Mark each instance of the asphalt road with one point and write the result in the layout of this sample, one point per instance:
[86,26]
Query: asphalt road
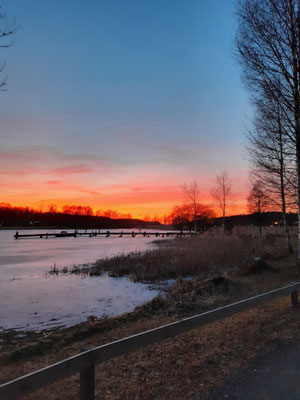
[275,375]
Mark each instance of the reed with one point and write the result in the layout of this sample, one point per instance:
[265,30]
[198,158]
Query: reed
[182,258]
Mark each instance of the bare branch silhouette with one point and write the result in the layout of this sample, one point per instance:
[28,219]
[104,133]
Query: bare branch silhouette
[6,31]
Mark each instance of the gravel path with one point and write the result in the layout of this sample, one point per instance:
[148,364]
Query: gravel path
[274,375]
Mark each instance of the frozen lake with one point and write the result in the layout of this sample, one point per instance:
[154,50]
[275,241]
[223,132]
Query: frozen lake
[30,299]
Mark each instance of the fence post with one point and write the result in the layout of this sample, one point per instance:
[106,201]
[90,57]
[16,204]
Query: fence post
[294,299]
[87,383]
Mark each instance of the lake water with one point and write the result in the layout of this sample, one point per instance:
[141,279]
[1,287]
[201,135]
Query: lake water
[32,300]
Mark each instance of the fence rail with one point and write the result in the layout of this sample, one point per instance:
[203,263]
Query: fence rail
[84,363]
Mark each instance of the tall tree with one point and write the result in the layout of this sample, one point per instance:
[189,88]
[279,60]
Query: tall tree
[6,29]
[222,193]
[268,49]
[273,159]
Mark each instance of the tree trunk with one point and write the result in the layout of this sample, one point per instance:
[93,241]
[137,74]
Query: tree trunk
[224,211]
[259,217]
[282,193]
[298,191]
[296,58]
[287,233]
[295,69]
[297,135]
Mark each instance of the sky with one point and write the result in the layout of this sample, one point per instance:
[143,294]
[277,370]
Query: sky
[116,104]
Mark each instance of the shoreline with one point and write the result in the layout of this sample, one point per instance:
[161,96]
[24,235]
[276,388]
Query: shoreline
[29,300]
[181,299]
[166,370]
[170,260]
[245,335]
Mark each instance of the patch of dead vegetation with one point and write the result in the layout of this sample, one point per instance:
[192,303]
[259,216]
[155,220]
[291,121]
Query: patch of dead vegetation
[195,256]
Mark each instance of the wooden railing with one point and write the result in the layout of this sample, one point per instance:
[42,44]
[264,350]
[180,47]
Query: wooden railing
[84,363]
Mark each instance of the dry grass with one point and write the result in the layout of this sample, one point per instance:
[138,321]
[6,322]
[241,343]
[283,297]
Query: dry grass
[182,258]
[215,267]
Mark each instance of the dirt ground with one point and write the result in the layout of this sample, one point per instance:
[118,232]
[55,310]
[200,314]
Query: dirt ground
[191,366]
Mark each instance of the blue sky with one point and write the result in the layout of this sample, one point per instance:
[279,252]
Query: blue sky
[139,94]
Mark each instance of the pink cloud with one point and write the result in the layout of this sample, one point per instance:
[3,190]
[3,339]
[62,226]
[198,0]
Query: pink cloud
[54,182]
[72,169]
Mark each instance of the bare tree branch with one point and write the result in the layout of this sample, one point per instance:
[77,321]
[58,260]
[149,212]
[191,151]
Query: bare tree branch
[6,30]
[222,193]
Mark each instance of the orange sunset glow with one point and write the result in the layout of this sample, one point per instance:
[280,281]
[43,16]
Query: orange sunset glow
[77,184]
[138,130]
[102,187]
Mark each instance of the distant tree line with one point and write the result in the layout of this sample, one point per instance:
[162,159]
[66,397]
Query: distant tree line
[262,219]
[181,218]
[75,217]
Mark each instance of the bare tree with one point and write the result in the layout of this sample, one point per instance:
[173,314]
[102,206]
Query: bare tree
[273,159]
[257,201]
[268,49]
[222,193]
[191,193]
[6,30]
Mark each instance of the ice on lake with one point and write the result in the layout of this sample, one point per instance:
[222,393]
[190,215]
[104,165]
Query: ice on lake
[32,300]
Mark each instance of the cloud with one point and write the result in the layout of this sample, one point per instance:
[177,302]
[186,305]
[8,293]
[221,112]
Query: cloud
[72,169]
[54,182]
[12,156]
[89,192]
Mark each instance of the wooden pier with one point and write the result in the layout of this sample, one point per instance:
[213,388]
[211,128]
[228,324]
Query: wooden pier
[100,233]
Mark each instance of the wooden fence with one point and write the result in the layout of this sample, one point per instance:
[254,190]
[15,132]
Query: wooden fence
[84,363]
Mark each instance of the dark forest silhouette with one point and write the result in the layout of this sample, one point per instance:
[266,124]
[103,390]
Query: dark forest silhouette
[71,217]
[83,218]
